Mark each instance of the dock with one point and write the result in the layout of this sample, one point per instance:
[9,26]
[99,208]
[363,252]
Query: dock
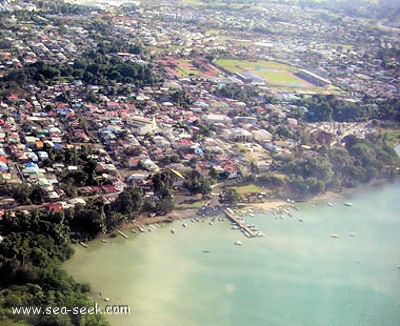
[123,234]
[243,226]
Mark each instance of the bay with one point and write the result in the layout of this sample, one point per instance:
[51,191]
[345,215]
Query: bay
[298,274]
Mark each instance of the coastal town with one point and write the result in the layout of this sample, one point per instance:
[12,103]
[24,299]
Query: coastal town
[120,114]
[182,122]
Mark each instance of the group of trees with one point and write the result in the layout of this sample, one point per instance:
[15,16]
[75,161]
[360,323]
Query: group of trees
[91,68]
[331,108]
[30,275]
[236,92]
[360,161]
[24,194]
[196,183]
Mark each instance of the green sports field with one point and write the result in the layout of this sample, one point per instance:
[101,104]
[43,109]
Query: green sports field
[273,73]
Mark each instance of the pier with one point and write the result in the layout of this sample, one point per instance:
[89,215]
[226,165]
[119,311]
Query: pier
[243,226]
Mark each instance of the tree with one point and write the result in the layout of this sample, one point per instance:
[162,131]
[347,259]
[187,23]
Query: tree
[213,173]
[299,186]
[229,196]
[129,202]
[89,168]
[89,218]
[166,201]
[162,181]
[197,183]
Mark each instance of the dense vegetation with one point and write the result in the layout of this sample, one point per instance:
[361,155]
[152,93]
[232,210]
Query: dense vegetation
[236,92]
[360,161]
[92,68]
[331,108]
[30,273]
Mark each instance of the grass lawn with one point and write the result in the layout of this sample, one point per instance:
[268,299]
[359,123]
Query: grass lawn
[196,204]
[185,68]
[249,188]
[274,73]
[391,134]
[240,65]
[280,77]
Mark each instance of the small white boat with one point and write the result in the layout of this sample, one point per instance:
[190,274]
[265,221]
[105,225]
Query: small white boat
[184,225]
[172,231]
[106,299]
[334,235]
[104,241]
[84,245]
[352,234]
[330,204]
[239,243]
[348,204]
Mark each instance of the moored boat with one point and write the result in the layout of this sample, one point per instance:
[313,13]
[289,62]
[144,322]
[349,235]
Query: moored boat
[84,245]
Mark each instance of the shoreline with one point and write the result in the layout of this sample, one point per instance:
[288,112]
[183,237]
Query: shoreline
[268,205]
[273,249]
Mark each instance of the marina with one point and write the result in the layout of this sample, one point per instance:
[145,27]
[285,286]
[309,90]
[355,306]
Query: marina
[315,278]
[247,230]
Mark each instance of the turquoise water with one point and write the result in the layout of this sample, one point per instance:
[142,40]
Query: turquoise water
[296,275]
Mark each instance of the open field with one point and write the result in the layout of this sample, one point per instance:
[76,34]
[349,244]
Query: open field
[188,68]
[185,68]
[249,188]
[274,74]
[238,65]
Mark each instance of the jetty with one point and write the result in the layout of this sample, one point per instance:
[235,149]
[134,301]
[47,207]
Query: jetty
[243,226]
[123,234]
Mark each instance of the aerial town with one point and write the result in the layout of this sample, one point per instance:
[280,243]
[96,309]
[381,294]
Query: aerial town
[275,58]
[114,112]
[194,86]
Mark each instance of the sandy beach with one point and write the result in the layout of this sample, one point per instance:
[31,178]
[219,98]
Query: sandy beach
[189,213]
[178,214]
